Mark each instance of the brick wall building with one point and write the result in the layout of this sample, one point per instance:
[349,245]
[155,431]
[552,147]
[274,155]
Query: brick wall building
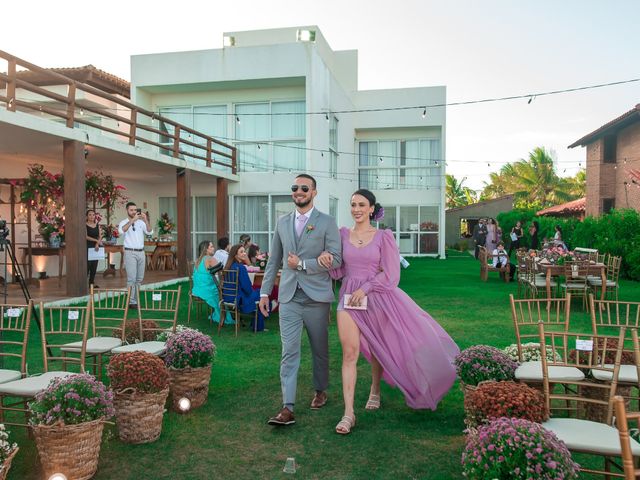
[613,164]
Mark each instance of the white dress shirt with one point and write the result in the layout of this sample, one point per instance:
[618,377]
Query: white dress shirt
[134,237]
[222,256]
[500,256]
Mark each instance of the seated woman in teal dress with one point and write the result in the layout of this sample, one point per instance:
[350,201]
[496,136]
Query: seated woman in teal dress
[204,286]
[246,296]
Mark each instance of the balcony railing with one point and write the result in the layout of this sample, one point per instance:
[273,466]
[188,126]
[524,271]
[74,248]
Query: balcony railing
[139,130]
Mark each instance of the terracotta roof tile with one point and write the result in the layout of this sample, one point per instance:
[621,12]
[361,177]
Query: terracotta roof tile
[573,207]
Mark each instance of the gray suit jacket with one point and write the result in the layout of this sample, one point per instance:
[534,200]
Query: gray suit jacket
[320,234]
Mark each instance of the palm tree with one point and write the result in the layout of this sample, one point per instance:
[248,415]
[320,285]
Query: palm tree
[533,182]
[456,194]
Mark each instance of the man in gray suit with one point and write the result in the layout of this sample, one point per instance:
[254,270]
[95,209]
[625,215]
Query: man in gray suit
[306,243]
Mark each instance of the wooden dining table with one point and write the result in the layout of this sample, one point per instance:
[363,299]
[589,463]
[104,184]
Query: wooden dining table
[257,278]
[160,248]
[553,270]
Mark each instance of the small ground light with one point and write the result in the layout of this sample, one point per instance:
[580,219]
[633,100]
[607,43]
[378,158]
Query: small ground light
[184,404]
[58,476]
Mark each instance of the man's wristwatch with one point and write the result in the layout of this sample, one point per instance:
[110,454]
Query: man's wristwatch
[299,267]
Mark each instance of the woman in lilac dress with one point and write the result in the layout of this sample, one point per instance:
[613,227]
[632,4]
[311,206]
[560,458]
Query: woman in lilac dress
[404,345]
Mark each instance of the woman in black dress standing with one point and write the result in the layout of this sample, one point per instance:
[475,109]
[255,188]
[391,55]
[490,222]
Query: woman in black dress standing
[533,231]
[94,240]
[516,235]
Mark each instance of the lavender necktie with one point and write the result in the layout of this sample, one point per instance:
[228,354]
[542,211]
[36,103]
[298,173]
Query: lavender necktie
[300,223]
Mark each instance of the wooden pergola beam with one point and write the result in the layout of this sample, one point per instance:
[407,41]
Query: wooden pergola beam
[75,231]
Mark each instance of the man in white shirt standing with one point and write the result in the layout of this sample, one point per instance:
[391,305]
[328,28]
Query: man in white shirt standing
[222,254]
[133,230]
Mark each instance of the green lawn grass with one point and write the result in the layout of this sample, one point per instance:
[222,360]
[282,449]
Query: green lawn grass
[229,437]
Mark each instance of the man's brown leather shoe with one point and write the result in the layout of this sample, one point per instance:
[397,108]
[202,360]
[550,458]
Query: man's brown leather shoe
[319,400]
[284,417]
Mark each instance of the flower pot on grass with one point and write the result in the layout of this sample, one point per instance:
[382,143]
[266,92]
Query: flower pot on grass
[189,357]
[482,363]
[141,385]
[67,422]
[7,452]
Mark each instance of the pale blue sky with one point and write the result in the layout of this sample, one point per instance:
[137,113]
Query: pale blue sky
[477,49]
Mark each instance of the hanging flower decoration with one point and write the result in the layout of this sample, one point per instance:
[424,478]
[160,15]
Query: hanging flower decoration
[44,193]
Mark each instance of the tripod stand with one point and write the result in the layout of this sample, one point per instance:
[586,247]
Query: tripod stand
[10,256]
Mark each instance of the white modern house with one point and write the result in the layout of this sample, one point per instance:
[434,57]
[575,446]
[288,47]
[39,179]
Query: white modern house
[291,104]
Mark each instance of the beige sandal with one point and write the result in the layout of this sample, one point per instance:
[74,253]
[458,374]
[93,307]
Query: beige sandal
[345,425]
[373,403]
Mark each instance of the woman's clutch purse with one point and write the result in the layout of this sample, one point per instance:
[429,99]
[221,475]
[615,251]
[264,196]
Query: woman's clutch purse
[347,298]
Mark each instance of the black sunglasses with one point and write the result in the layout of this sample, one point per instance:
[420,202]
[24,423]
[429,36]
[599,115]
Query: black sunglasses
[304,188]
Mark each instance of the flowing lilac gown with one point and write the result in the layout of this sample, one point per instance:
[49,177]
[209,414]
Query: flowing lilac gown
[414,350]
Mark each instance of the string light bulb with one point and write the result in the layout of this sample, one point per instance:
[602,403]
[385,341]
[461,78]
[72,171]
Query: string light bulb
[184,404]
[11,102]
[82,111]
[530,100]
[326,117]
[259,147]
[237,119]
[424,112]
[58,476]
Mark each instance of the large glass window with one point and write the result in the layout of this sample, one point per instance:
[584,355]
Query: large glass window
[391,164]
[270,136]
[258,215]
[209,120]
[416,227]
[204,221]
[333,147]
[333,208]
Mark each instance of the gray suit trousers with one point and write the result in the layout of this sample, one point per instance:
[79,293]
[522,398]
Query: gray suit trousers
[301,310]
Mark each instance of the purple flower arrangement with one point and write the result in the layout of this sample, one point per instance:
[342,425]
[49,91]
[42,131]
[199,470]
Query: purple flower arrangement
[71,400]
[516,448]
[482,362]
[189,348]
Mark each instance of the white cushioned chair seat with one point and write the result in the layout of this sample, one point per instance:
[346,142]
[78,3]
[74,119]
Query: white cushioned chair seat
[598,282]
[588,436]
[541,282]
[532,371]
[28,387]
[9,375]
[94,345]
[154,348]
[627,374]
[575,286]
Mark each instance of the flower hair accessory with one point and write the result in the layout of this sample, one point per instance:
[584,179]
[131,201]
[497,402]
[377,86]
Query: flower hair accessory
[379,215]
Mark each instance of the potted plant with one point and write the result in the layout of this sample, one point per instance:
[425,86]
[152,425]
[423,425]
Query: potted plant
[141,385]
[7,452]
[482,363]
[530,352]
[165,225]
[132,331]
[515,448]
[492,400]
[67,419]
[189,357]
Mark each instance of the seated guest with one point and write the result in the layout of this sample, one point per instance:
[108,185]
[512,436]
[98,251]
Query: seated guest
[252,253]
[501,259]
[222,254]
[246,296]
[245,240]
[204,286]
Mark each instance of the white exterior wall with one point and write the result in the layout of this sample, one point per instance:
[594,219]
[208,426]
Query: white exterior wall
[270,65]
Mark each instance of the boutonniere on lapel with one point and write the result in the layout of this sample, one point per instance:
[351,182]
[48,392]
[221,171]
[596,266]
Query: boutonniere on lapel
[310,228]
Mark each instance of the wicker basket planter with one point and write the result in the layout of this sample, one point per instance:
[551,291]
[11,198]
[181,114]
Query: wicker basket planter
[191,383]
[466,388]
[139,415]
[597,412]
[69,449]
[6,466]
